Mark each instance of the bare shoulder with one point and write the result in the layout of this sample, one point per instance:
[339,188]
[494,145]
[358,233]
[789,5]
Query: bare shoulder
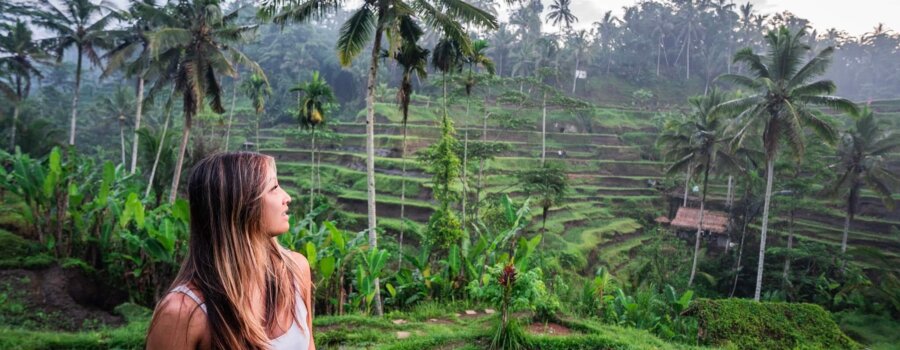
[178,323]
[299,259]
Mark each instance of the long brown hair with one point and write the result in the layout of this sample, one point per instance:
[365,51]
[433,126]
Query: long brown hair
[229,253]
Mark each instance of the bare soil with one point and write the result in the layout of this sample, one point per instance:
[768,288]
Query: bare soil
[549,328]
[62,299]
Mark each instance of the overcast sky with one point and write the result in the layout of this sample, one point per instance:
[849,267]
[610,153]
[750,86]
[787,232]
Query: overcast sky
[855,17]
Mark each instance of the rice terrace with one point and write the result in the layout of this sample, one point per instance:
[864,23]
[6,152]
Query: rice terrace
[511,174]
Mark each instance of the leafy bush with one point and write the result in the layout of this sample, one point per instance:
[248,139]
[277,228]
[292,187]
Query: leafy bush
[746,324]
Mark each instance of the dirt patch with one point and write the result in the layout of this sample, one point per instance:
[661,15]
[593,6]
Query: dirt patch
[60,299]
[549,328]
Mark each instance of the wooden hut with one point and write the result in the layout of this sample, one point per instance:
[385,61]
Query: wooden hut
[715,225]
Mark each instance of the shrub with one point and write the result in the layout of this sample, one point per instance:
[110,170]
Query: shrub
[13,245]
[746,324]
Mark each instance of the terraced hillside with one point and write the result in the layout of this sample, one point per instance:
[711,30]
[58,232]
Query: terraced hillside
[607,158]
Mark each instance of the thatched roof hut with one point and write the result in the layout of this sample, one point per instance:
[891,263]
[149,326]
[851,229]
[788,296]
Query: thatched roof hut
[689,218]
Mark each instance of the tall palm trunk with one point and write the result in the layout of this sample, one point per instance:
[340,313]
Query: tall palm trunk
[544,128]
[700,224]
[790,245]
[257,132]
[312,175]
[370,155]
[231,113]
[481,164]
[770,169]
[12,137]
[159,148]
[185,135]
[402,196]
[75,99]
[687,184]
[575,77]
[465,163]
[729,198]
[847,220]
[137,123]
[122,137]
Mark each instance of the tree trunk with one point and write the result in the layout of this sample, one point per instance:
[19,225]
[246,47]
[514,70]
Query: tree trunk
[137,122]
[122,137]
[790,245]
[75,99]
[370,156]
[729,198]
[737,266]
[159,148]
[688,56]
[465,164]
[231,113]
[544,128]
[770,169]
[402,196]
[257,132]
[185,135]
[699,225]
[12,137]
[846,232]
[481,165]
[687,185]
[312,176]
[575,77]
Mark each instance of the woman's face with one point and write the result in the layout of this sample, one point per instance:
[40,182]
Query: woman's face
[274,205]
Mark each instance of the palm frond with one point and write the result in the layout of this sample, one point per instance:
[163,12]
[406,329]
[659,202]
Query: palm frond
[821,87]
[167,38]
[813,68]
[837,103]
[354,34]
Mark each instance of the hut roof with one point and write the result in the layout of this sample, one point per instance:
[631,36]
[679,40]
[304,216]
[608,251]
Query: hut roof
[689,218]
[663,220]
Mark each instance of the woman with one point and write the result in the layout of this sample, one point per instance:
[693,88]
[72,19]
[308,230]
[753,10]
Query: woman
[238,288]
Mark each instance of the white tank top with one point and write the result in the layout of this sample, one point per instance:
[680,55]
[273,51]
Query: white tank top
[296,337]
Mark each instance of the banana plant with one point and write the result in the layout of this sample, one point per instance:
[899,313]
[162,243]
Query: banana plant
[368,272]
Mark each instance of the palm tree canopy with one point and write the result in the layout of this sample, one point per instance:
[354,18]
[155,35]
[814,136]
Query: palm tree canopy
[195,48]
[698,139]
[317,94]
[79,23]
[560,11]
[20,55]
[258,90]
[414,60]
[783,90]
[863,151]
[443,16]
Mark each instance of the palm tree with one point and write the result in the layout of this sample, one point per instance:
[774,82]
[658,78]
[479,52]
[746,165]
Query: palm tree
[80,24]
[548,184]
[317,95]
[474,59]
[132,42]
[782,91]
[677,134]
[258,89]
[19,63]
[704,152]
[413,59]
[561,13]
[371,21]
[117,105]
[862,152]
[196,47]
[606,29]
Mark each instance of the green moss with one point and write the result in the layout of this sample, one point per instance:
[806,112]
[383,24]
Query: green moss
[746,324]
